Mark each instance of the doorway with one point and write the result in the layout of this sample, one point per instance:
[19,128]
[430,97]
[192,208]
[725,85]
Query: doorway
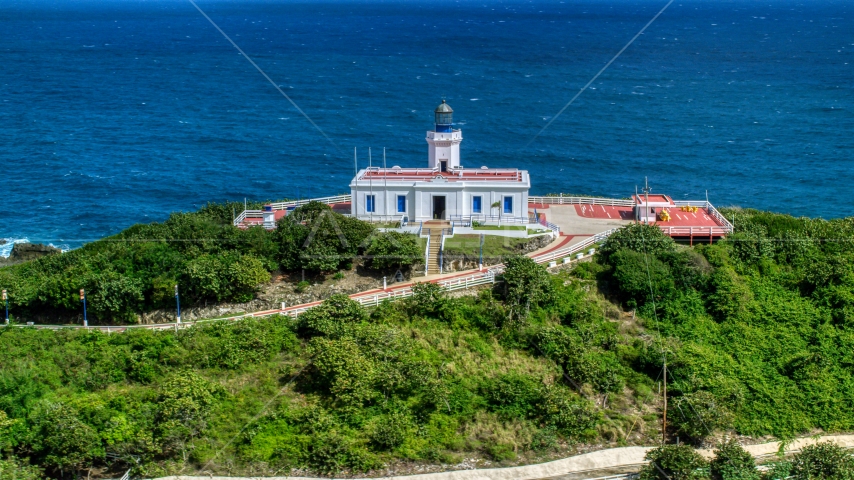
[438,207]
[443,166]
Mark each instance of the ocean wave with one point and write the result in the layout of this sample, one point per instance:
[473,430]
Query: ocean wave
[6,248]
[64,247]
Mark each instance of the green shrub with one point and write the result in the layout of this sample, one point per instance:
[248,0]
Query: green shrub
[572,415]
[526,285]
[823,461]
[61,441]
[332,316]
[514,396]
[641,278]
[391,430]
[673,462]
[637,237]
[393,250]
[700,414]
[732,462]
[302,286]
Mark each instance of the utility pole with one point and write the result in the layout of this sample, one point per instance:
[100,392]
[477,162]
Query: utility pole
[664,418]
[178,304]
[83,299]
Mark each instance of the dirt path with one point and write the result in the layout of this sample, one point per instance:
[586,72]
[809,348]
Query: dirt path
[613,461]
[624,456]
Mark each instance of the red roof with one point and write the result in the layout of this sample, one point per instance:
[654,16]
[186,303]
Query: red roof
[425,174]
[641,199]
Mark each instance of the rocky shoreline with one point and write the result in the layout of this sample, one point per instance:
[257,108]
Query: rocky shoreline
[24,252]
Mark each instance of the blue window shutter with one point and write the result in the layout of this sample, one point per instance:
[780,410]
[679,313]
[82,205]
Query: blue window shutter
[401,204]
[508,204]
[476,204]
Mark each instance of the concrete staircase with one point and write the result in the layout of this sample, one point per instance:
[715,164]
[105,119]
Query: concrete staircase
[434,231]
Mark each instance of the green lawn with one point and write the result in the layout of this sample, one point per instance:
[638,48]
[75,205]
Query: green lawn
[493,245]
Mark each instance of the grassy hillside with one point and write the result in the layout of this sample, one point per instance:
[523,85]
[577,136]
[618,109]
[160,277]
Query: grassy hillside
[757,331]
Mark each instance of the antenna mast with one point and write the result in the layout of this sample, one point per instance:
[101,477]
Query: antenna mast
[354,210]
[385,186]
[646,199]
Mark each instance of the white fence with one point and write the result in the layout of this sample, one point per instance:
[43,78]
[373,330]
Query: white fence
[370,298]
[561,200]
[250,214]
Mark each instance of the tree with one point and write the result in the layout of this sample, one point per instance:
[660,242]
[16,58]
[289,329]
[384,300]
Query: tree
[641,278]
[569,413]
[393,249]
[823,461]
[526,285]
[638,237]
[117,297]
[428,299]
[732,462]
[344,370]
[673,462]
[230,277]
[330,317]
[61,441]
[702,414]
[184,404]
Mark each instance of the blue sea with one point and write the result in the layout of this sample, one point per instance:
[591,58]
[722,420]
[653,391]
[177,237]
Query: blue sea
[117,112]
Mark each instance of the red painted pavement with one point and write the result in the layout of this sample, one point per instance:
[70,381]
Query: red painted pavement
[602,211]
[678,218]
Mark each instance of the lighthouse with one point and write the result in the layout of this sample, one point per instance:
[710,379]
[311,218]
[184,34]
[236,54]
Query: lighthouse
[444,141]
[445,190]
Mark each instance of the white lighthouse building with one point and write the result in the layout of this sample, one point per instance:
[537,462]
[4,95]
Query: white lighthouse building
[444,190]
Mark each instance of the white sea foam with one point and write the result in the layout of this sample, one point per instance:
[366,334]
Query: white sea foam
[6,248]
[62,246]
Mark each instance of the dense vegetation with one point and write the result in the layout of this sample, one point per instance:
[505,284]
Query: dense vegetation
[756,331]
[821,461]
[211,260]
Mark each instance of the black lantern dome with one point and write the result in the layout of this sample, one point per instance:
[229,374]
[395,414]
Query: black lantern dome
[444,117]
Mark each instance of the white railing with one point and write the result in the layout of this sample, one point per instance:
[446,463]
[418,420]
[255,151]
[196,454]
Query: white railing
[460,282]
[427,255]
[368,298]
[299,203]
[711,210]
[383,218]
[692,231]
[573,249]
[561,200]
[715,213]
[248,214]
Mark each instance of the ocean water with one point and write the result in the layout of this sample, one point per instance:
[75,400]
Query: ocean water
[116,112]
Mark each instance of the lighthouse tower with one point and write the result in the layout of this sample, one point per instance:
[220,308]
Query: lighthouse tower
[444,141]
